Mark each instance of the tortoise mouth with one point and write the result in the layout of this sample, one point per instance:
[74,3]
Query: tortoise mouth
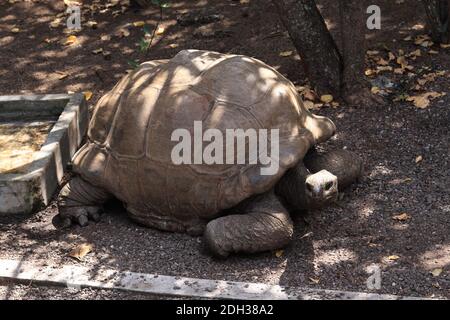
[320,202]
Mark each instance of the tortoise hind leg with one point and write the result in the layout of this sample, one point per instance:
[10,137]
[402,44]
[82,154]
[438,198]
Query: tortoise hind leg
[262,224]
[80,201]
[345,165]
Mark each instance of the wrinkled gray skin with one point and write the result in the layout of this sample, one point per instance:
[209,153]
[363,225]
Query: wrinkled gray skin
[260,223]
[313,183]
[126,154]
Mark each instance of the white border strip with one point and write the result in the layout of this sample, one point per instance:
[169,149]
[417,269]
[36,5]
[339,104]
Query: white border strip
[75,276]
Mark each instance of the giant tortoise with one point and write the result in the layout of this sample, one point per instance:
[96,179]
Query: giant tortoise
[237,208]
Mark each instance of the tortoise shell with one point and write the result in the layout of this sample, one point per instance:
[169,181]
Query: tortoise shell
[129,139]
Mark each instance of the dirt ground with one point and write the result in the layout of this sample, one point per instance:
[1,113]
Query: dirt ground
[405,150]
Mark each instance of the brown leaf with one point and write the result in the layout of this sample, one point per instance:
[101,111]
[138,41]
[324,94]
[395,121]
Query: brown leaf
[62,75]
[87,95]
[416,53]
[279,253]
[160,31]
[70,40]
[92,24]
[139,23]
[421,102]
[401,217]
[437,272]
[315,281]
[286,53]
[326,98]
[375,90]
[372,52]
[384,68]
[80,251]
[123,33]
[382,62]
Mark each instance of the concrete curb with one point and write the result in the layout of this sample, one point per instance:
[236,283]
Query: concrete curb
[78,277]
[24,192]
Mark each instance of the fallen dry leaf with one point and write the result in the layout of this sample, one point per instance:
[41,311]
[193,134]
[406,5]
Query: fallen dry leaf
[416,53]
[87,95]
[105,37]
[393,257]
[71,3]
[424,41]
[55,23]
[315,281]
[402,62]
[335,104]
[123,33]
[372,52]
[160,31]
[445,46]
[70,40]
[382,62]
[92,24]
[419,159]
[420,102]
[138,23]
[80,251]
[375,90]
[15,30]
[279,253]
[401,217]
[97,51]
[391,56]
[437,272]
[326,98]
[286,53]
[384,68]
[61,75]
[309,94]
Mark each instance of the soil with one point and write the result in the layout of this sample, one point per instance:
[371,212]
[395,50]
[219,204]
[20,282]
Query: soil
[19,143]
[405,150]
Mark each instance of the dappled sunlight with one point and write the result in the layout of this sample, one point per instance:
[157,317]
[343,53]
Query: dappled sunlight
[380,171]
[438,257]
[327,258]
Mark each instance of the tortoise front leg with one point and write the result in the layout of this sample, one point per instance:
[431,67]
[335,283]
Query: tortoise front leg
[80,201]
[261,224]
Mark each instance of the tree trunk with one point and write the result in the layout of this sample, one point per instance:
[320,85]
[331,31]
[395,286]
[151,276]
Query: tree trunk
[353,32]
[316,47]
[438,13]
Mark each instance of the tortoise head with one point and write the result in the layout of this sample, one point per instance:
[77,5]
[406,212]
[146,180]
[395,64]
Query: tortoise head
[321,188]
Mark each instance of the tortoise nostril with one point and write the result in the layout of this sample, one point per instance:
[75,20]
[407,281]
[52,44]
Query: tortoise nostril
[328,186]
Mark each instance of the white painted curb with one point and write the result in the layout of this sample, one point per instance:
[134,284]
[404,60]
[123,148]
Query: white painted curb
[75,276]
